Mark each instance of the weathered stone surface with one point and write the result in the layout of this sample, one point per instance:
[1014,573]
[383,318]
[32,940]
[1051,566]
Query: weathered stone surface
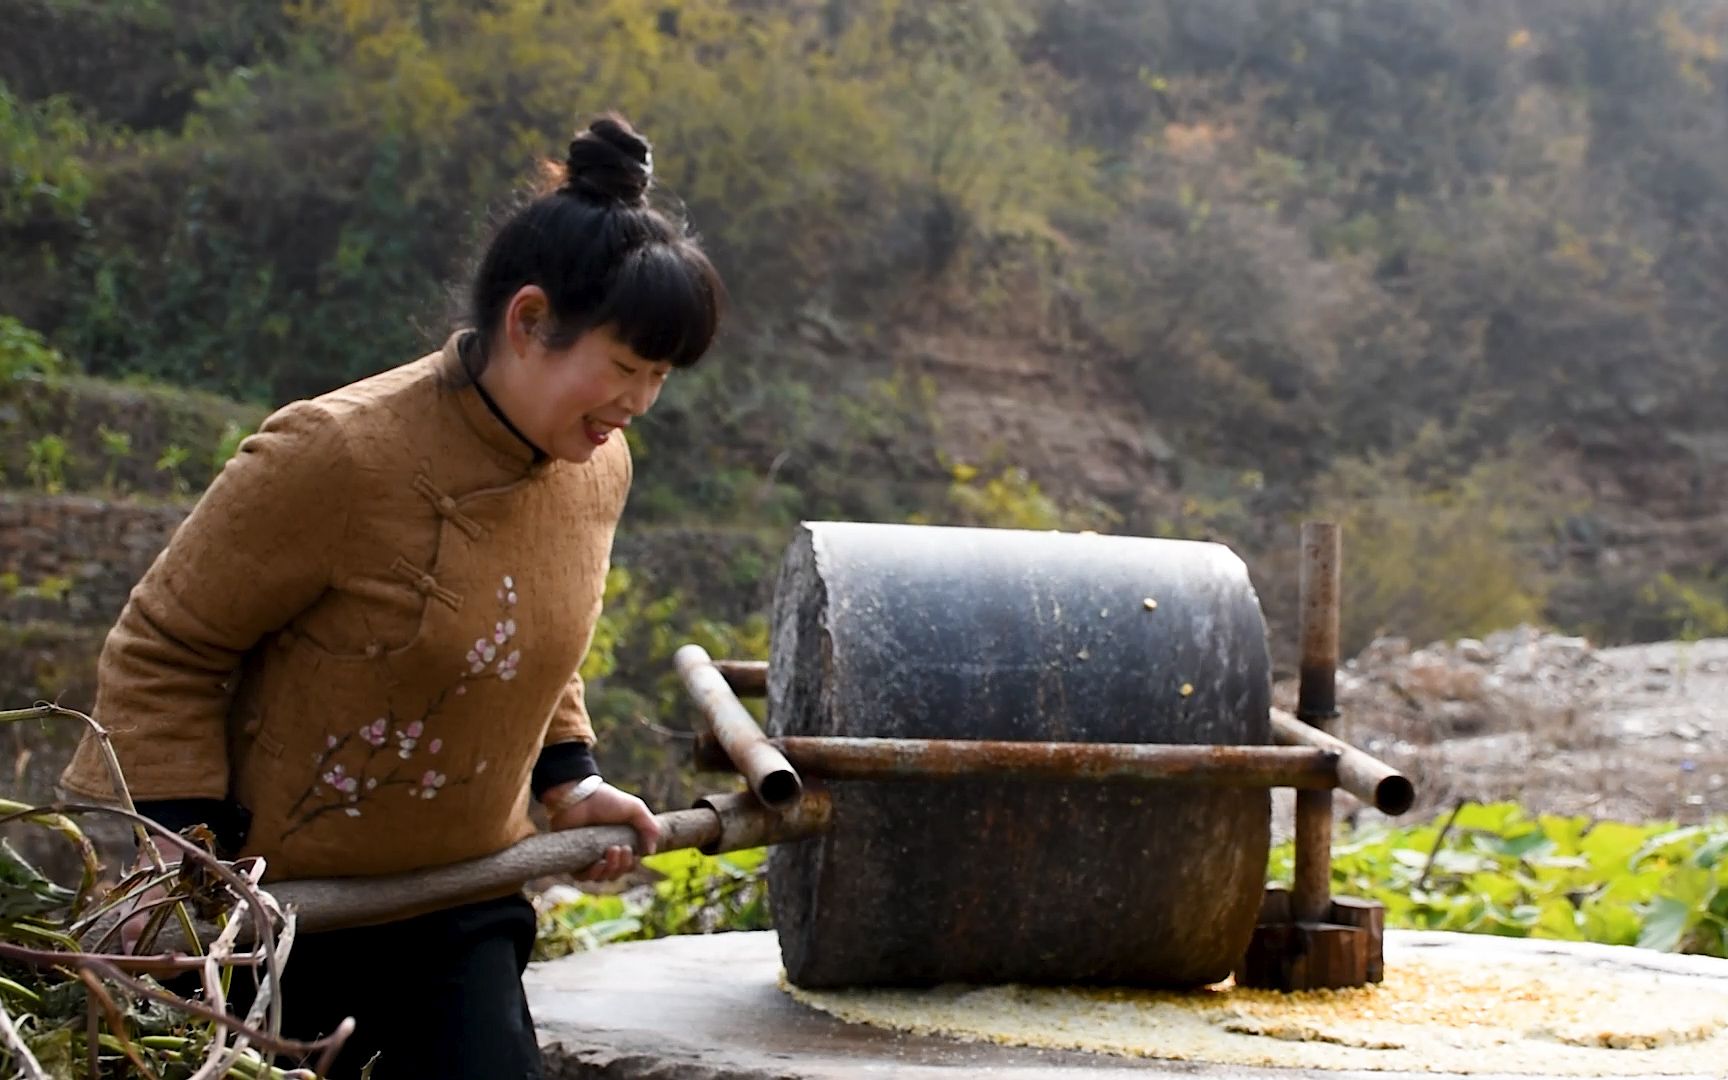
[710,1008]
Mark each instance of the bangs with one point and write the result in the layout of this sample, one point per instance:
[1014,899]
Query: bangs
[664,302]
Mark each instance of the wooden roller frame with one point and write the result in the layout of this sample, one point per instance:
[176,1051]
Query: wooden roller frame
[1305,939]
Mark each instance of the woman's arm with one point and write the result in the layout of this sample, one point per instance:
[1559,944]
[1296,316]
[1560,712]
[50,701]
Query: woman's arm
[259,548]
[567,759]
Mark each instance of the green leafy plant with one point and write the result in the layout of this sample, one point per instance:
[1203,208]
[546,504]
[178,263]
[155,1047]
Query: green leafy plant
[25,353]
[173,459]
[47,465]
[1496,869]
[640,708]
[116,447]
[71,1004]
[233,434]
[696,894]
[1011,499]
[1687,610]
[53,588]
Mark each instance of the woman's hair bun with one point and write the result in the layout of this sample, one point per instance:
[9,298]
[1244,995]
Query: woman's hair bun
[609,163]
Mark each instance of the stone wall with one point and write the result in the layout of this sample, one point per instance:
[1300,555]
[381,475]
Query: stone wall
[96,549]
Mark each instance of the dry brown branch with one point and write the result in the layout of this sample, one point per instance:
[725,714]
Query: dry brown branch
[116,1021]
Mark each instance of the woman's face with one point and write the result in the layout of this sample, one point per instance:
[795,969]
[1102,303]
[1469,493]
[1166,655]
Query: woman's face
[571,401]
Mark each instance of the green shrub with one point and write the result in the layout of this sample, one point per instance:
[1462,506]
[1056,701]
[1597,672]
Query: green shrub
[1428,558]
[1013,500]
[1497,869]
[41,171]
[1688,610]
[24,353]
[172,461]
[47,465]
[697,894]
[233,434]
[116,447]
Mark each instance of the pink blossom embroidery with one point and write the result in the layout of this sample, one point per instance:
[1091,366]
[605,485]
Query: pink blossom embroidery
[344,790]
[430,782]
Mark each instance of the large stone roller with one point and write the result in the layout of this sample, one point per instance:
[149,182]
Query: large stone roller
[937,633]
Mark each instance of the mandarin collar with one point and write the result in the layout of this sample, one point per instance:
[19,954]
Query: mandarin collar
[480,418]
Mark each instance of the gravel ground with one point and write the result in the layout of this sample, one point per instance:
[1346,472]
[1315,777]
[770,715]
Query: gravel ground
[1633,733]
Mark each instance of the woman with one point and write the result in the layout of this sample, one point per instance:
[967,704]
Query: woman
[358,655]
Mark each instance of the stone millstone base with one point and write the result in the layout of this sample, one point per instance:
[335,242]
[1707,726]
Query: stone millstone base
[712,1008]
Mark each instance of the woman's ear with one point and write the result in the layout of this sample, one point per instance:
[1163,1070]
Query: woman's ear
[526,317]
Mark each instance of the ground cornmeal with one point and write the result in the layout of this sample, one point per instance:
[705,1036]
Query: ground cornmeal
[1527,1011]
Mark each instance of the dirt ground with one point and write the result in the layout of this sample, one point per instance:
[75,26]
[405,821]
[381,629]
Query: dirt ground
[1633,733]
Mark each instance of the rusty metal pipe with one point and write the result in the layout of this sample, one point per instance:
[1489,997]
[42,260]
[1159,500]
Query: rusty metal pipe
[1320,591]
[743,825]
[1360,773]
[946,759]
[1317,704]
[747,678]
[1311,878]
[770,775]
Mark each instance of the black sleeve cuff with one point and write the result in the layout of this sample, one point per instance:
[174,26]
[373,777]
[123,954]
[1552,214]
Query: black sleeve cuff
[561,763]
[226,818]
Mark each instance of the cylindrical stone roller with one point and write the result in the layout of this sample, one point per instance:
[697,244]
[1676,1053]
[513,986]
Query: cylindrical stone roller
[937,633]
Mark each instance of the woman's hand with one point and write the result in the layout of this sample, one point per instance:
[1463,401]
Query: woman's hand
[607,806]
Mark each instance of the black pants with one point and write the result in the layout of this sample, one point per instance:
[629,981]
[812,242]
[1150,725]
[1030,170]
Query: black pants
[435,996]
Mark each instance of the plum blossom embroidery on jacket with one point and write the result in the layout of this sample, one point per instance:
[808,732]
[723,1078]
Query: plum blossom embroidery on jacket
[392,757]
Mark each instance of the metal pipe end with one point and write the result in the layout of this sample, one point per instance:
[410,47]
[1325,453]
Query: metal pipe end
[688,656]
[1394,795]
[745,822]
[781,789]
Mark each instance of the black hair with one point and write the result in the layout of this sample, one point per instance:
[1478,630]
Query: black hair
[603,255]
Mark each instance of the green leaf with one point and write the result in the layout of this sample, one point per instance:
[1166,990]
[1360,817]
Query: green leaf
[1693,886]
[1711,851]
[24,892]
[1669,845]
[1523,844]
[1611,924]
[1560,919]
[1665,924]
[1497,818]
[1611,844]
[1566,833]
